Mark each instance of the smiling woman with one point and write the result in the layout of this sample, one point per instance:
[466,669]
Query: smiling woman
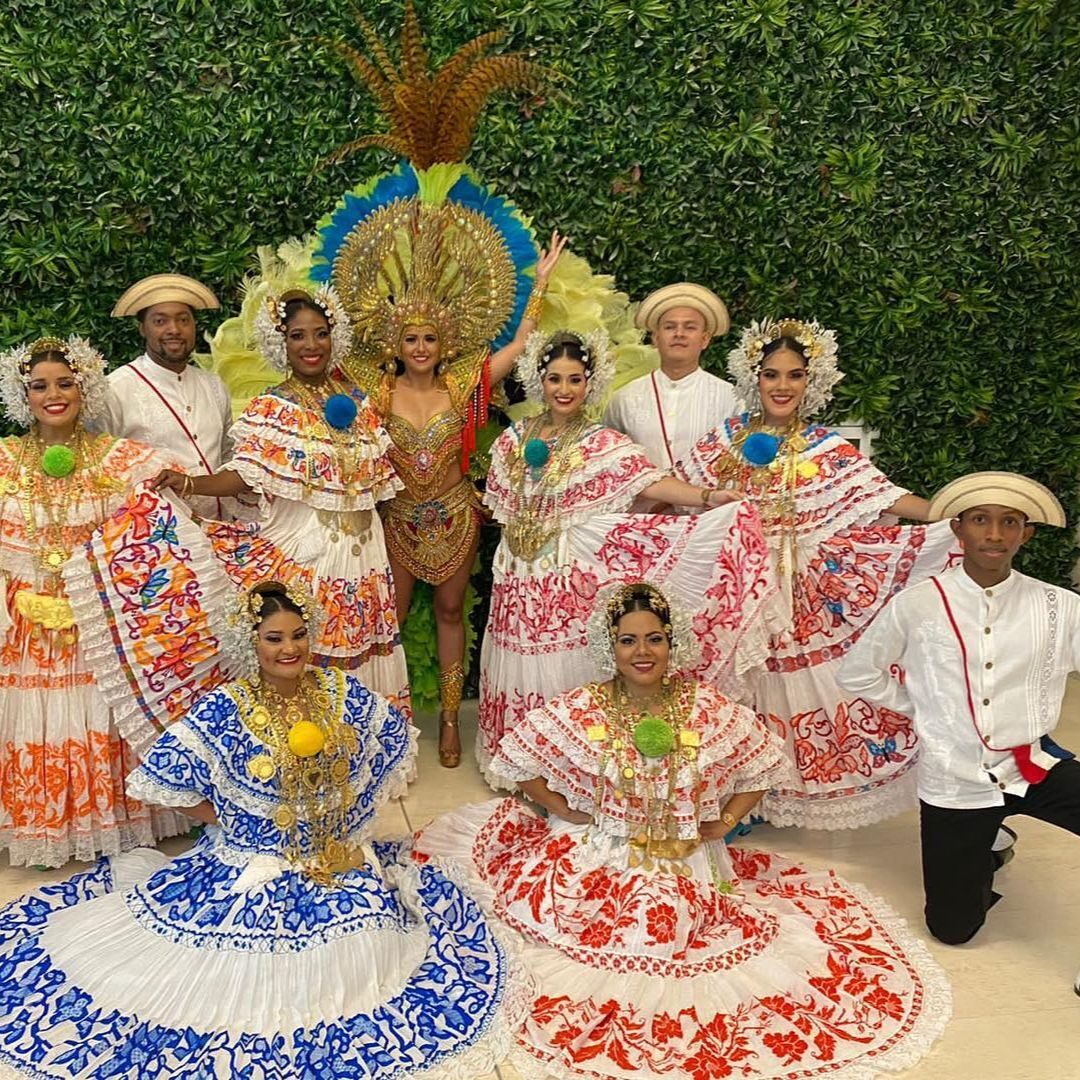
[61,755]
[836,565]
[286,943]
[314,452]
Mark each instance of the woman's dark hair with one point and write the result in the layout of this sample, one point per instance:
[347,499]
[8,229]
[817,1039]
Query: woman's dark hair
[566,345]
[788,343]
[300,303]
[640,596]
[275,599]
[54,356]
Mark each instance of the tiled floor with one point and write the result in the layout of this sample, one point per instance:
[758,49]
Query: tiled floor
[1015,1016]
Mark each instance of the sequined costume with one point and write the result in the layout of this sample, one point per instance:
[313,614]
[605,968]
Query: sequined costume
[682,959]
[232,960]
[430,528]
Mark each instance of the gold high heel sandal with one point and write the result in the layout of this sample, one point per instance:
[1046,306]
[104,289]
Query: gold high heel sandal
[451,682]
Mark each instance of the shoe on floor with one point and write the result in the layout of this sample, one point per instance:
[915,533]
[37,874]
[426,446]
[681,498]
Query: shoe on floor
[1004,840]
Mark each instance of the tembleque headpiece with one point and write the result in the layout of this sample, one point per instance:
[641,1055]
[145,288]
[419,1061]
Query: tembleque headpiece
[819,344]
[86,363]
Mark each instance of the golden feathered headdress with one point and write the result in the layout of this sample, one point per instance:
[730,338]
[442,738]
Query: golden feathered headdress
[432,114]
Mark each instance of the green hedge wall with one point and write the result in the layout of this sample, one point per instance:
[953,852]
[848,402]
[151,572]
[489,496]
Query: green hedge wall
[908,172]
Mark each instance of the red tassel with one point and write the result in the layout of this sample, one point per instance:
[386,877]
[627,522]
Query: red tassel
[476,412]
[1032,773]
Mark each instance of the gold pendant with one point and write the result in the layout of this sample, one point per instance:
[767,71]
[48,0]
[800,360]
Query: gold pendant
[53,558]
[284,817]
[262,767]
[339,771]
[259,717]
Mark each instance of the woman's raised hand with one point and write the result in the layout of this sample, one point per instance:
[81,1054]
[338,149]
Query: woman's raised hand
[549,256]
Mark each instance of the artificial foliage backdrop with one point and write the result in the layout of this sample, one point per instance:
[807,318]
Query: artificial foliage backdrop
[907,172]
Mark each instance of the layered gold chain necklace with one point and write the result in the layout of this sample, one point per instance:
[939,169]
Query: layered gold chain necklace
[346,449]
[55,494]
[766,462]
[538,468]
[647,749]
[309,751]
[344,440]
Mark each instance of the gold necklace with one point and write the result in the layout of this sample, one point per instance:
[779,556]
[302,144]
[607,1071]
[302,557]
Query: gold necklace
[54,495]
[771,485]
[537,486]
[343,441]
[640,769]
[309,751]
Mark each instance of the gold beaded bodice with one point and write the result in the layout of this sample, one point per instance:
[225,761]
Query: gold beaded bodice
[423,458]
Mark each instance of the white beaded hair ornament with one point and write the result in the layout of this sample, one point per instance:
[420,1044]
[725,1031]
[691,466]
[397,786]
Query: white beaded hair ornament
[270,327]
[610,607]
[596,355]
[241,629]
[86,363]
[822,368]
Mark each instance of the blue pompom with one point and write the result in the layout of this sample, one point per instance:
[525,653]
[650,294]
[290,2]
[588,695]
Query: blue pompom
[340,411]
[760,448]
[537,453]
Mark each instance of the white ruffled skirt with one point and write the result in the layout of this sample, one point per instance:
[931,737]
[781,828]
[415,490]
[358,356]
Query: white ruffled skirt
[199,968]
[743,964]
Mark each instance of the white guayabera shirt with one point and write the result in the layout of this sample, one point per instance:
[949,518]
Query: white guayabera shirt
[185,415]
[667,416]
[1021,638]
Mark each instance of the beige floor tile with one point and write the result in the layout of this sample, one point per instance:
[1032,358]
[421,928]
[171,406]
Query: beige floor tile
[1015,1016]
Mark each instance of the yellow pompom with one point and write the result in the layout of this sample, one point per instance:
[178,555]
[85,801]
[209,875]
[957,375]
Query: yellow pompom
[808,469]
[305,739]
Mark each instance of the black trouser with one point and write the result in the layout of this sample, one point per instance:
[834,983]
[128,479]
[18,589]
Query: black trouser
[958,865]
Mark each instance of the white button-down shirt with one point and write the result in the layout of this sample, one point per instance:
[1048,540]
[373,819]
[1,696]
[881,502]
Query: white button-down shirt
[134,411]
[1022,639]
[686,409]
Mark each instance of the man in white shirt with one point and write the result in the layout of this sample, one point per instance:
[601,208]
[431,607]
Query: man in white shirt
[668,410]
[161,398]
[985,653]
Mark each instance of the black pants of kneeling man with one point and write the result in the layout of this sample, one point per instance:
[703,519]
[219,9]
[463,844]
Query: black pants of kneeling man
[958,865]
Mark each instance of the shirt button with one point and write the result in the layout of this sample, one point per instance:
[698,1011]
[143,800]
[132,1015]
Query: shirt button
[1002,786]
[989,592]
[986,629]
[195,436]
[989,664]
[986,701]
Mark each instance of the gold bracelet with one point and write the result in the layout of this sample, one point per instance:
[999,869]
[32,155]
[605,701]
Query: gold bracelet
[535,303]
[705,496]
[189,486]
[730,820]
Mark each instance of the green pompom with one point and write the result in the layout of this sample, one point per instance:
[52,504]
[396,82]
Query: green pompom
[58,461]
[653,737]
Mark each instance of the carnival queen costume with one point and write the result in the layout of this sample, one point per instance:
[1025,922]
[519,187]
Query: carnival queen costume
[62,757]
[820,501]
[318,458]
[656,953]
[286,943]
[563,504]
